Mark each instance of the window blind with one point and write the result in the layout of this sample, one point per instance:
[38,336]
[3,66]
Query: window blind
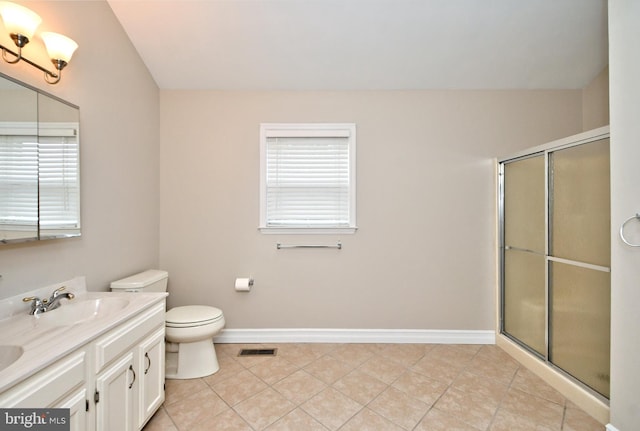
[19,181]
[39,177]
[307,181]
[59,177]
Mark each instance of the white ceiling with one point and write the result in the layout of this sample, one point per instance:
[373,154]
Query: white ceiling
[368,44]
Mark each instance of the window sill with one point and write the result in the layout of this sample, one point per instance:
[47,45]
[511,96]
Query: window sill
[307,230]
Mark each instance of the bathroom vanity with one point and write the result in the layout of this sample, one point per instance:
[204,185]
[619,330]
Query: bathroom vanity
[101,355]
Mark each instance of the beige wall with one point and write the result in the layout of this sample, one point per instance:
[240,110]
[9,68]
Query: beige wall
[119,154]
[595,102]
[18,105]
[624,33]
[424,254]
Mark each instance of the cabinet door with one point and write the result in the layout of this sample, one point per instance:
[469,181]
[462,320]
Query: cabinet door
[116,395]
[77,404]
[150,355]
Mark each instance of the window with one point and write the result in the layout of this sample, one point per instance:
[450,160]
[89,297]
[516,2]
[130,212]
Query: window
[39,171]
[18,179]
[307,178]
[59,179]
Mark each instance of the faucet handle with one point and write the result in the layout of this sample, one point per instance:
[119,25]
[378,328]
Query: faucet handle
[31,298]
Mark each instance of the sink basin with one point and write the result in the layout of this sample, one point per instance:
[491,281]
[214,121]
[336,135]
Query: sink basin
[82,310]
[8,355]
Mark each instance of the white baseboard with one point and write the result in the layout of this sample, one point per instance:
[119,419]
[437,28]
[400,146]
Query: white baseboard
[610,427]
[401,336]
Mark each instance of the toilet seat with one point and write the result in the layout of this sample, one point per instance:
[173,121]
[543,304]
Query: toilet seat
[192,315]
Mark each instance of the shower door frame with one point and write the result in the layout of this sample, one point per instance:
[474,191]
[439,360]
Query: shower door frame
[541,150]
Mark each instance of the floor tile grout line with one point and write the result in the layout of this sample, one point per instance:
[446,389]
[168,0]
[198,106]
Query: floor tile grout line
[170,418]
[279,418]
[228,405]
[212,389]
[358,367]
[506,393]
[407,369]
[466,368]
[436,402]
[564,415]
[449,386]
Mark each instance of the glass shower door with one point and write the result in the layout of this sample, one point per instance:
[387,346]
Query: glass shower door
[524,264]
[579,259]
[555,260]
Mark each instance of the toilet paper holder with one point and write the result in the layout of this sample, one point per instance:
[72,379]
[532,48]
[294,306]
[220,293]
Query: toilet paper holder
[244,284]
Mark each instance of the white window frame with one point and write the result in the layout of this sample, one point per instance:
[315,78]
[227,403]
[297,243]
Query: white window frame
[270,130]
[69,187]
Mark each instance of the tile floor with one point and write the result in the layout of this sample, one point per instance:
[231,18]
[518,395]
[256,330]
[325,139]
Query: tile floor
[360,387]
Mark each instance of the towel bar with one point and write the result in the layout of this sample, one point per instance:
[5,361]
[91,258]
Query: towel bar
[281,246]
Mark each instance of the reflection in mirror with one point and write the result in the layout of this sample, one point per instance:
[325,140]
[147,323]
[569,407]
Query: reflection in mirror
[59,170]
[39,165]
[18,162]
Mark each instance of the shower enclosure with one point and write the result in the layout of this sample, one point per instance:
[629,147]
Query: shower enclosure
[554,209]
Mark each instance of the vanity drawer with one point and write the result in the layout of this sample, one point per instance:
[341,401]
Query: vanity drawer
[119,340]
[49,385]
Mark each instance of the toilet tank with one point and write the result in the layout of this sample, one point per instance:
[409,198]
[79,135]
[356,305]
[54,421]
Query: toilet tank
[152,280]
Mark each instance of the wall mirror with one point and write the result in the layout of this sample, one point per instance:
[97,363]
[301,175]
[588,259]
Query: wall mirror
[39,164]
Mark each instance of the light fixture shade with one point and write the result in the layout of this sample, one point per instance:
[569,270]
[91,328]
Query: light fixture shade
[58,46]
[18,19]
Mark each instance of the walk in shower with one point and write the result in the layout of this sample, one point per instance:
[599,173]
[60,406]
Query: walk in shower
[554,209]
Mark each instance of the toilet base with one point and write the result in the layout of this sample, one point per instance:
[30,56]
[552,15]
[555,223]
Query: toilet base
[191,361]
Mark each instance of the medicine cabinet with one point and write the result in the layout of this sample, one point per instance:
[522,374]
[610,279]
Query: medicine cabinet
[39,164]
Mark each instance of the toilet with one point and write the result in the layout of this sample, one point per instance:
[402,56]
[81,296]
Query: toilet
[190,329]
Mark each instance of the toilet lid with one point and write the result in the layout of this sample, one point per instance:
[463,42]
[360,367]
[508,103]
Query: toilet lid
[192,314]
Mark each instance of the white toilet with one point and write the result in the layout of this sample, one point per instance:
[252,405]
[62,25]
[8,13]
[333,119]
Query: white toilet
[190,352]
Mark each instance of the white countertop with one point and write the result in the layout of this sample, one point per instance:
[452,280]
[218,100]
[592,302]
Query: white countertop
[43,343]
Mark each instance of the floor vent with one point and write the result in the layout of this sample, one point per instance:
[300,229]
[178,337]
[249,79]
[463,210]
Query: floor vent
[258,352]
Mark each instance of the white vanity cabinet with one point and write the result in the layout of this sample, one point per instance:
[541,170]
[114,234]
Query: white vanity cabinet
[61,385]
[113,381]
[129,362]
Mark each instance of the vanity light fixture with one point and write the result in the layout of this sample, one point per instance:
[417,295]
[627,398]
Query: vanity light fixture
[21,23]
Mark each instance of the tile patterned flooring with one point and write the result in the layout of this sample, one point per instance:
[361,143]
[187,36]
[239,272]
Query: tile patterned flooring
[361,387]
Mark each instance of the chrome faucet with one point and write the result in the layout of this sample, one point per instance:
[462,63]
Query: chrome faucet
[54,301]
[39,306]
